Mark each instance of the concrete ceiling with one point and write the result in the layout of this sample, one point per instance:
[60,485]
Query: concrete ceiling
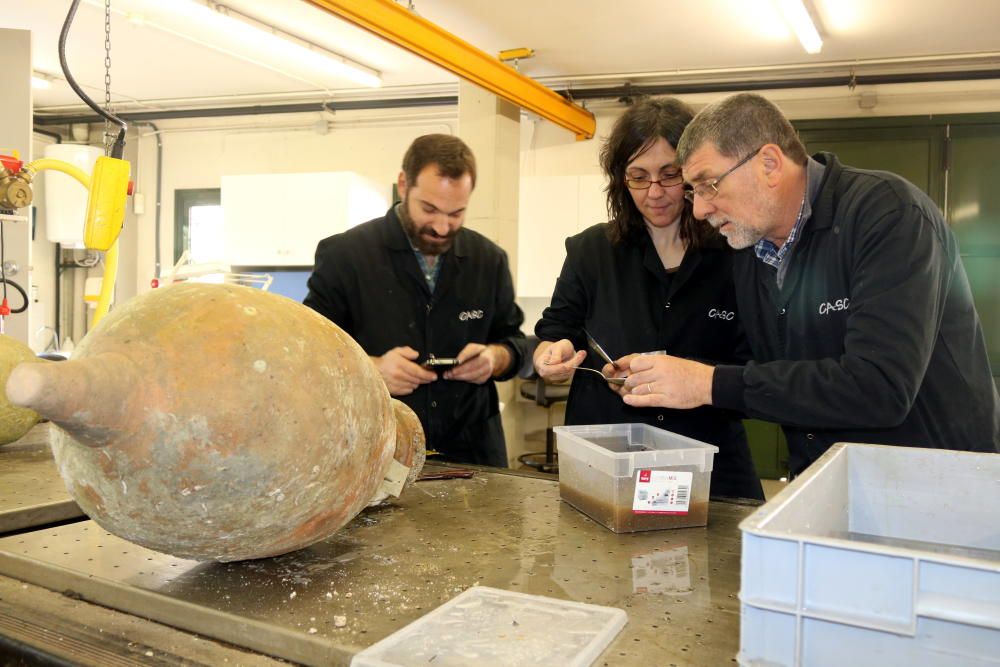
[160,61]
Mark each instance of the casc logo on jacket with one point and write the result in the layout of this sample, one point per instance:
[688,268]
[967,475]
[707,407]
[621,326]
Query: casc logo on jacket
[466,315]
[828,307]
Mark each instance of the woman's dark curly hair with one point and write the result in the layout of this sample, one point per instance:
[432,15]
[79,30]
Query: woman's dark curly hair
[633,134]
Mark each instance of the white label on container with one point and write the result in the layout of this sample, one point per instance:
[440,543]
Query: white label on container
[662,492]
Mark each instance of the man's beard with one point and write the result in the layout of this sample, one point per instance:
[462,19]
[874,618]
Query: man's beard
[738,235]
[418,236]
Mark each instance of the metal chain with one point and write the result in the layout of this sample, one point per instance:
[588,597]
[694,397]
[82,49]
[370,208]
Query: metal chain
[108,135]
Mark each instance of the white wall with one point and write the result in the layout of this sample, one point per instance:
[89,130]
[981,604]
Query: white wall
[197,153]
[43,257]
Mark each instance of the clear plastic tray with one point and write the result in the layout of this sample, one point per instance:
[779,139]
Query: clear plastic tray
[489,627]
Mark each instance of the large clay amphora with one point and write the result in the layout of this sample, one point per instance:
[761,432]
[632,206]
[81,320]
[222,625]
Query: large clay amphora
[220,422]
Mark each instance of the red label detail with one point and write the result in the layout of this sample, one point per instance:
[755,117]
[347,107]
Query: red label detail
[12,164]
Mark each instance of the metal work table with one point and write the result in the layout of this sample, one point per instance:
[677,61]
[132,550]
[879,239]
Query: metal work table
[391,565]
[31,491]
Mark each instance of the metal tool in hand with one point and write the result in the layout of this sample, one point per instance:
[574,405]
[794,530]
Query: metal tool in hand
[615,381]
[596,347]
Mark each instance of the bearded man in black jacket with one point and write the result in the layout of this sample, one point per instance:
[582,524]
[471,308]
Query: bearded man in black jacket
[415,284]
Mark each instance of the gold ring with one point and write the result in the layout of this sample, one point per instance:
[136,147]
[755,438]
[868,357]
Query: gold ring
[649,387]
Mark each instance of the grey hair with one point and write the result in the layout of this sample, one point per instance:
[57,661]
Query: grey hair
[738,125]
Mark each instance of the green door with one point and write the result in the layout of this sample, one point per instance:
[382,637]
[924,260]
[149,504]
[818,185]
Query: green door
[915,152]
[952,159]
[974,214]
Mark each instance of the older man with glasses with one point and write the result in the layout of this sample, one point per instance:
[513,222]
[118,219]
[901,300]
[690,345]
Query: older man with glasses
[850,286]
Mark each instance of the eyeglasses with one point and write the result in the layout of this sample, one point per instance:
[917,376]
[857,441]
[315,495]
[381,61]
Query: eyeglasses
[668,181]
[710,188]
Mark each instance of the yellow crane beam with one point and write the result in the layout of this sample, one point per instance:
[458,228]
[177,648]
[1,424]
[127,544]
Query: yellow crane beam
[395,23]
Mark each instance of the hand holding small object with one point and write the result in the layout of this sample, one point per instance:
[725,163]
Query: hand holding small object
[400,371]
[668,382]
[555,362]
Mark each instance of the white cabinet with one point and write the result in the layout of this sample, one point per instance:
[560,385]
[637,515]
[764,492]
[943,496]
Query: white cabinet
[550,209]
[277,219]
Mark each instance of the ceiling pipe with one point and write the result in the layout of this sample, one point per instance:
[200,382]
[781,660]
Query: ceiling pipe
[395,120]
[778,84]
[956,62]
[159,190]
[258,110]
[52,135]
[610,92]
[285,97]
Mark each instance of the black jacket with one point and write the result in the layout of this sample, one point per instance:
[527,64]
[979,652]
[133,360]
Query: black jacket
[368,281]
[626,299]
[873,336]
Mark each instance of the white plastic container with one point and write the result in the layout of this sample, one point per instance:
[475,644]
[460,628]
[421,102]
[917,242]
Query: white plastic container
[876,556]
[489,627]
[65,197]
[601,465]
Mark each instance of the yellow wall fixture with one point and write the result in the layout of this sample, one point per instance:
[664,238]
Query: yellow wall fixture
[111,257]
[106,203]
[404,28]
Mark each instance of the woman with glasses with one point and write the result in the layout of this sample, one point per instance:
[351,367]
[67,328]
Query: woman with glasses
[653,279]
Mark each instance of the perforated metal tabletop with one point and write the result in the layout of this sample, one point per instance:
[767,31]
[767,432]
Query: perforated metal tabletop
[31,491]
[392,565]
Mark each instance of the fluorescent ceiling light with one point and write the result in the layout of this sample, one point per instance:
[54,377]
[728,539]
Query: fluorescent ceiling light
[258,42]
[40,81]
[798,19]
[267,39]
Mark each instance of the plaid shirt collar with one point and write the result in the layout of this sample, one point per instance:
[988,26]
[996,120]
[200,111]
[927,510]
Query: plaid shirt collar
[429,272]
[771,254]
